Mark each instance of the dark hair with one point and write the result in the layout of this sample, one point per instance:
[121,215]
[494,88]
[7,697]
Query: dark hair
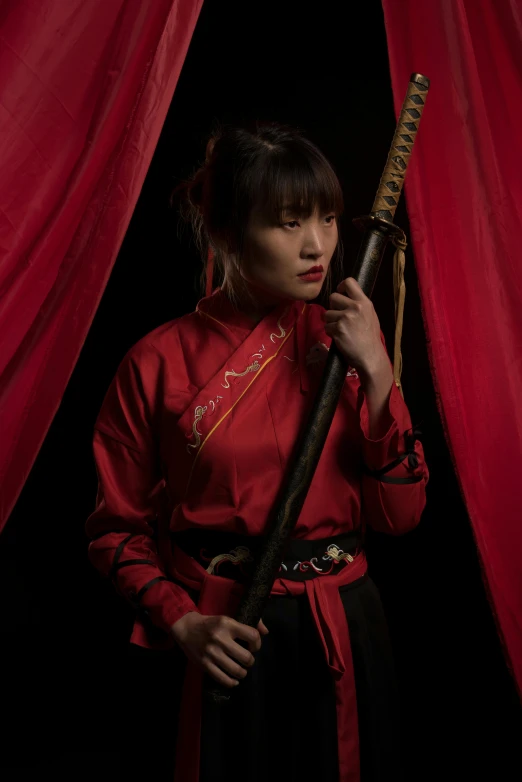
[267,166]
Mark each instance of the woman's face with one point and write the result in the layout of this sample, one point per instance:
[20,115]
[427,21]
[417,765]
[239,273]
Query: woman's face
[277,254]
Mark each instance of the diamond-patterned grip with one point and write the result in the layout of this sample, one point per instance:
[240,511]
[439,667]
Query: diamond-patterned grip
[392,179]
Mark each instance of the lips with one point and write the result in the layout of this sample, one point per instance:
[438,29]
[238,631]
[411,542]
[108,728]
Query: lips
[312,270]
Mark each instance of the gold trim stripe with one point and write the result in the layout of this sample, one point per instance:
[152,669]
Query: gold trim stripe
[238,399]
[212,318]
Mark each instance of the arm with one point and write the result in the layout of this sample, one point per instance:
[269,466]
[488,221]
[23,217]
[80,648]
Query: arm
[394,471]
[121,528]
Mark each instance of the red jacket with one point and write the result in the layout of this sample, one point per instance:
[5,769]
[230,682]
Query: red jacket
[197,429]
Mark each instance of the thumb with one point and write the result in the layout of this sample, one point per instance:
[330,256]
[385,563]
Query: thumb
[262,628]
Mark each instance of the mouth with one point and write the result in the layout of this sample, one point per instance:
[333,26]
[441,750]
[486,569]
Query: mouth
[312,270]
[314,274]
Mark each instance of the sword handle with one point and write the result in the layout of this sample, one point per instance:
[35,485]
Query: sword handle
[392,180]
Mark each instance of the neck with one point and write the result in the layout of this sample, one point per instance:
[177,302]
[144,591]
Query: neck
[254,302]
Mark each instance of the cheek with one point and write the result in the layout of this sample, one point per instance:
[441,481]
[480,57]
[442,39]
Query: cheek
[332,240]
[268,255]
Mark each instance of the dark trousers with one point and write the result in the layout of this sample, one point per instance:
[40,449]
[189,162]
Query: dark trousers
[280,723]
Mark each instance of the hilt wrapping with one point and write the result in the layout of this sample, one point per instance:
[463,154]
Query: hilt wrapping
[392,180]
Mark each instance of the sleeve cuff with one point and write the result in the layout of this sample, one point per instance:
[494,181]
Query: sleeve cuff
[378,453]
[165,603]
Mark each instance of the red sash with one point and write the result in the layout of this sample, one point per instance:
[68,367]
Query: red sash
[220,596]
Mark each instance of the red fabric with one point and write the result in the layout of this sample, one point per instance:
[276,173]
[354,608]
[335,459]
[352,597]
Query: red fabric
[464,196]
[221,596]
[198,427]
[85,88]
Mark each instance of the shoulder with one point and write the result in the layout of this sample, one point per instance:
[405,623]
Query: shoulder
[153,369]
[167,343]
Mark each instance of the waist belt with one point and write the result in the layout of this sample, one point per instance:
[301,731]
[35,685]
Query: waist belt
[231,555]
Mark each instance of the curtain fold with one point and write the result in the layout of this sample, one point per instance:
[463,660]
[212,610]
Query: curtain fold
[84,90]
[464,198]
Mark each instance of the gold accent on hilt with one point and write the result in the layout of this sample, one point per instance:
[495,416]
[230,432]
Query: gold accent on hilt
[392,180]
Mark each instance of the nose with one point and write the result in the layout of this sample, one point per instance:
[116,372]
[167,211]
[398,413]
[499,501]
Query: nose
[313,243]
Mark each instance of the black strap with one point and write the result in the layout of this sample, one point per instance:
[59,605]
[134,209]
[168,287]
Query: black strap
[145,588]
[400,481]
[411,437]
[118,553]
[129,562]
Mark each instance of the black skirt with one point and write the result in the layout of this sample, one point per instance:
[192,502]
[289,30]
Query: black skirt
[280,723]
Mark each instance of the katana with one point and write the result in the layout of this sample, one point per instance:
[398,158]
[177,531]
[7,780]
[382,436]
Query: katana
[379,229]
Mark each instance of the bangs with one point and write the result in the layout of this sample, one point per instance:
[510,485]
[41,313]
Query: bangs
[298,181]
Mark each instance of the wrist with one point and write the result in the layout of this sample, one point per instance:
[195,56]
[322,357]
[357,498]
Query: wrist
[181,627]
[376,372]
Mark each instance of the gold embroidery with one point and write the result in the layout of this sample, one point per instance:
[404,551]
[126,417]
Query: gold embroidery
[282,333]
[338,554]
[237,555]
[199,412]
[218,423]
[214,404]
[252,368]
[260,354]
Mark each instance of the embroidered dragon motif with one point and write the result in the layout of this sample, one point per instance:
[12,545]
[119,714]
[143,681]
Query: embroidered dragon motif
[199,412]
[252,368]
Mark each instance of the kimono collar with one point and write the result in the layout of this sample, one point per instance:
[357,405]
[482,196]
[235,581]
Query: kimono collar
[218,307]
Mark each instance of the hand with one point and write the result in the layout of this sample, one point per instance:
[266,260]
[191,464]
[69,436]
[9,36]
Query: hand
[210,641]
[354,326]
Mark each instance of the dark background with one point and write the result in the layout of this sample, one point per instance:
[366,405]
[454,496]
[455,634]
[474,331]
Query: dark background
[64,632]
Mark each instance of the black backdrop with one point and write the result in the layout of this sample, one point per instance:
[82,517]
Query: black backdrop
[64,632]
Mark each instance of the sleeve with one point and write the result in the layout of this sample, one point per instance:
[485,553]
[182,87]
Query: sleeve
[130,488]
[394,471]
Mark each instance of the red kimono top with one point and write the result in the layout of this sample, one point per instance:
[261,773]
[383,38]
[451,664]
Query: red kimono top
[197,429]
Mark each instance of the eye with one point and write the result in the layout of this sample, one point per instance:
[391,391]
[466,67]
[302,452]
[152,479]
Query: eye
[330,219]
[291,224]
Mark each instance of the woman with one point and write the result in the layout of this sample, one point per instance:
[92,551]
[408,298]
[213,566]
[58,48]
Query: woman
[192,444]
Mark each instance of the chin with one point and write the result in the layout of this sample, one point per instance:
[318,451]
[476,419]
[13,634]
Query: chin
[308,292]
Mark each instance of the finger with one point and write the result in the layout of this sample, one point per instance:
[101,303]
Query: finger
[220,658]
[238,652]
[332,316]
[262,628]
[218,675]
[245,633]
[339,301]
[350,287]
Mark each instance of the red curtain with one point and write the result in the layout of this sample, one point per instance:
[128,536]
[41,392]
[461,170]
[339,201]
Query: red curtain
[85,86]
[464,198]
